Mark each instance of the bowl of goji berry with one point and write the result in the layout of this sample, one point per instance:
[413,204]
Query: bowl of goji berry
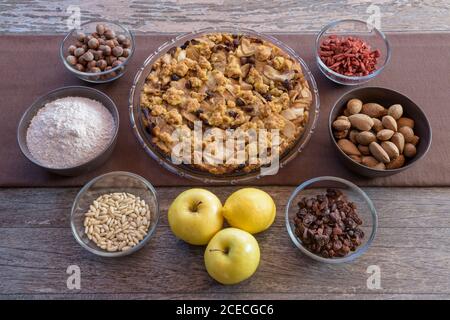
[351,52]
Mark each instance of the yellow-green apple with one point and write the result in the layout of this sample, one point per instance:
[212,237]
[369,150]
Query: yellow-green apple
[232,256]
[195,216]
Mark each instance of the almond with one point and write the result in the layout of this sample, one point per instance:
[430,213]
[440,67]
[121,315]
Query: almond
[385,134]
[354,106]
[364,150]
[373,110]
[356,158]
[340,134]
[377,125]
[395,111]
[361,121]
[379,153]
[405,122]
[348,147]
[410,150]
[341,124]
[415,140]
[380,166]
[399,141]
[366,137]
[369,161]
[391,149]
[407,132]
[389,123]
[396,163]
[352,135]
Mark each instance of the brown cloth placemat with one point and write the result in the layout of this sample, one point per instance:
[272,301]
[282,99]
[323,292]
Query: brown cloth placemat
[420,68]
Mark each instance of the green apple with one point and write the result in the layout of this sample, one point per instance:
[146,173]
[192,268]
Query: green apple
[232,256]
[195,216]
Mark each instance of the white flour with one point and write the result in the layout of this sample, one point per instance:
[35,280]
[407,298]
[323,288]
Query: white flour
[69,131]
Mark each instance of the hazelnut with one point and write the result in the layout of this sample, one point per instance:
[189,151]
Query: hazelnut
[102,64]
[107,51]
[91,64]
[110,43]
[71,49]
[95,70]
[117,51]
[100,28]
[126,53]
[78,44]
[122,59]
[80,36]
[98,54]
[96,35]
[82,61]
[121,38]
[108,68]
[79,67]
[110,59]
[110,34]
[101,41]
[78,52]
[93,43]
[85,47]
[87,39]
[72,60]
[88,56]
[116,63]
[126,43]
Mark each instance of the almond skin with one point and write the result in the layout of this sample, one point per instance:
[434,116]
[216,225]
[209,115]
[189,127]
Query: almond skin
[377,125]
[389,123]
[348,147]
[341,124]
[399,141]
[354,106]
[373,110]
[379,153]
[410,150]
[391,149]
[364,150]
[369,161]
[405,122]
[352,136]
[361,121]
[395,111]
[365,137]
[384,134]
[380,166]
[407,133]
[396,163]
[415,140]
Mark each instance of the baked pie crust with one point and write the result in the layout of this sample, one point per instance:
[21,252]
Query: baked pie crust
[226,81]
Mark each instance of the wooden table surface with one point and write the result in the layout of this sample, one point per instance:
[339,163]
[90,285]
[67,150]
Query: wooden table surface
[36,245]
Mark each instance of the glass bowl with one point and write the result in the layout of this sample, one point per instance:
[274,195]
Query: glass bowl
[185,170]
[98,77]
[72,91]
[117,181]
[357,28]
[364,205]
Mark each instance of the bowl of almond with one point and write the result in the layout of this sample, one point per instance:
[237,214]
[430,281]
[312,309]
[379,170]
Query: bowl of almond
[378,132]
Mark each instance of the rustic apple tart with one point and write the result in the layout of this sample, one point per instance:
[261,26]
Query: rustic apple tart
[226,82]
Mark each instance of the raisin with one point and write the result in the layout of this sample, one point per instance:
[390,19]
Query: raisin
[240,102]
[174,77]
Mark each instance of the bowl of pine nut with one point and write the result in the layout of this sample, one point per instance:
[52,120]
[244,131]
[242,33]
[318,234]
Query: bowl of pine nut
[115,214]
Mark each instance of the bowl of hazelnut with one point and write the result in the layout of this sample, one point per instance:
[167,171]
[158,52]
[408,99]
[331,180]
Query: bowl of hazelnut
[98,51]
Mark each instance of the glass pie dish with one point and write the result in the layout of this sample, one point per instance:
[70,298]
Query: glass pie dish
[187,170]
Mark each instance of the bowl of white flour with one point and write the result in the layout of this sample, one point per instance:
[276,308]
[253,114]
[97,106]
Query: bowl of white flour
[69,131]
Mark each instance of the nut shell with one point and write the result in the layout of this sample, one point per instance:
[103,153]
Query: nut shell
[379,153]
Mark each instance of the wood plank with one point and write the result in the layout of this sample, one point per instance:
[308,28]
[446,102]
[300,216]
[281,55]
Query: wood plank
[47,16]
[226,296]
[411,248]
[397,207]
